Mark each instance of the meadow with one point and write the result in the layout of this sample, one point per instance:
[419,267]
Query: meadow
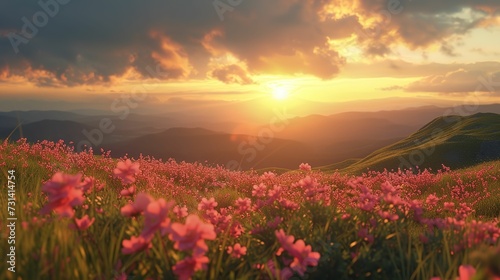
[83,216]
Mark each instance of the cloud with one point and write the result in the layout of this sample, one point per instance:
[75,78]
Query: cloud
[105,42]
[232,74]
[459,81]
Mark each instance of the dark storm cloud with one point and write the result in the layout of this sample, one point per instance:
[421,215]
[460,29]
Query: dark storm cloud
[85,42]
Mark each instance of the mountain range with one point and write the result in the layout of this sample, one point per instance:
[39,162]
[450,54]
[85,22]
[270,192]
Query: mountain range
[351,141]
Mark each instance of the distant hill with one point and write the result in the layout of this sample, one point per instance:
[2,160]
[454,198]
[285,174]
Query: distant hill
[197,144]
[51,130]
[8,122]
[455,141]
[34,116]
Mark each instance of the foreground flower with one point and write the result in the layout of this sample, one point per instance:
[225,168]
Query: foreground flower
[187,267]
[302,254]
[237,250]
[84,223]
[180,211]
[135,244]
[156,218]
[140,204]
[466,272]
[192,235]
[64,192]
[126,171]
[207,204]
[128,191]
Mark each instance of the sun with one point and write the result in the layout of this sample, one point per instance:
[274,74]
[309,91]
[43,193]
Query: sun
[280,93]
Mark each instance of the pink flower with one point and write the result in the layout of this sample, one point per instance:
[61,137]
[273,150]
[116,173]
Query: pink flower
[450,206]
[466,272]
[181,212]
[243,204]
[286,241]
[386,215]
[303,256]
[207,204]
[156,218]
[192,235]
[140,204]
[432,200]
[237,250]
[187,267]
[305,167]
[135,244]
[64,192]
[83,223]
[88,184]
[126,171]
[128,191]
[259,190]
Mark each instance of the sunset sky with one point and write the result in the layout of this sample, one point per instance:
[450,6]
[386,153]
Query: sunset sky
[53,52]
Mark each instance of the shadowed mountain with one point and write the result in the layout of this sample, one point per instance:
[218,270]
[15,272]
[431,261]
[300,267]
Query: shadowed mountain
[51,130]
[455,141]
[8,122]
[34,116]
[230,150]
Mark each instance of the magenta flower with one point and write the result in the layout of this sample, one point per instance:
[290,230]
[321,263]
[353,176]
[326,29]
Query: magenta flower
[126,171]
[156,218]
[181,212]
[135,244]
[192,235]
[305,167]
[128,191]
[83,223]
[187,267]
[259,190]
[140,204]
[237,251]
[64,192]
[303,256]
[207,204]
[243,204]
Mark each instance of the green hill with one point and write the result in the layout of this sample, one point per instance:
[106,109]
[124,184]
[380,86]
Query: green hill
[454,141]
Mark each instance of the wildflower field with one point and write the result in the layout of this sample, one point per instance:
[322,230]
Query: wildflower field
[82,216]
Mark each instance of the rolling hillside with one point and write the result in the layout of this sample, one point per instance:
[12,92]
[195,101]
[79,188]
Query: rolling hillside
[197,144]
[454,141]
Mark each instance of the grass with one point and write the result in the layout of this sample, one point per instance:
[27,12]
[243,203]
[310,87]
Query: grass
[353,243]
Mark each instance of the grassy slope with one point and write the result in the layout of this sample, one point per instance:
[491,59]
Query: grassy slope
[454,141]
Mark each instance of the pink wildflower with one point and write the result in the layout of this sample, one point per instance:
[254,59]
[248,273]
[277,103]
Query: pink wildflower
[237,250]
[135,244]
[140,204]
[83,223]
[192,235]
[207,204]
[156,218]
[181,212]
[259,190]
[126,171]
[243,204]
[128,191]
[187,267]
[305,167]
[303,256]
[64,192]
